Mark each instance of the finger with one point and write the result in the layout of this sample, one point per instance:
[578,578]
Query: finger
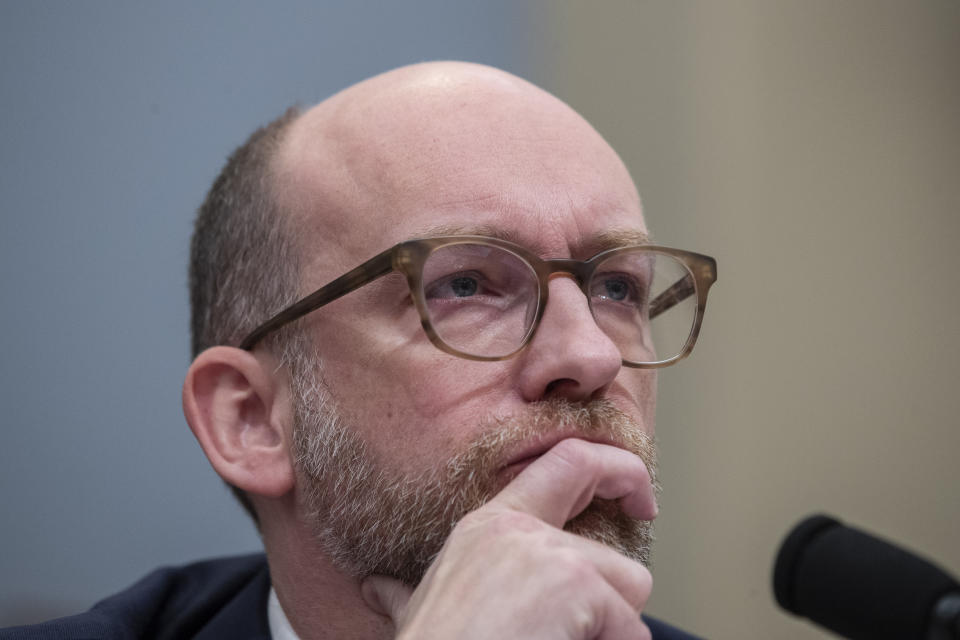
[386,596]
[629,578]
[562,482]
[617,620]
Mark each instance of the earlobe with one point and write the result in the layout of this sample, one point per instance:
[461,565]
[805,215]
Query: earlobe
[237,409]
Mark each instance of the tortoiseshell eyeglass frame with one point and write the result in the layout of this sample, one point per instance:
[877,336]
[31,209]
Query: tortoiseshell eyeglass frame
[409,257]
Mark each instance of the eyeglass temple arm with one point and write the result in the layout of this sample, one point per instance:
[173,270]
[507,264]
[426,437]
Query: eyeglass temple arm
[377,266]
[677,293]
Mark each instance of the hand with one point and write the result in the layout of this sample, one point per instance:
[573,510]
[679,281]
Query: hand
[508,570]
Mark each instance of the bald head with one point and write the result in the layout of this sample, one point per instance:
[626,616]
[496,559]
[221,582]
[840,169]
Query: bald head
[420,143]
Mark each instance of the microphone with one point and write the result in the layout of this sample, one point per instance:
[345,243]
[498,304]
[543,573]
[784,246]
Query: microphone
[862,587]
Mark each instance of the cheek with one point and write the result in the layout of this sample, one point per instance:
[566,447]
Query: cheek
[438,400]
[413,404]
[640,385]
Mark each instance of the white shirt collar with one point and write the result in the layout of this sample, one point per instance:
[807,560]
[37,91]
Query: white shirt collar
[280,628]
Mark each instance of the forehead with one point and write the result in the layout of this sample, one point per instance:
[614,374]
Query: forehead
[420,160]
[586,234]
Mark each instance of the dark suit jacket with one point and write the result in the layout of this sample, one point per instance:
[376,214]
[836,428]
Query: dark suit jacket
[223,599]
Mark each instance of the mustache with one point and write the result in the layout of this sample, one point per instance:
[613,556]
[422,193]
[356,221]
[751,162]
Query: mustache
[501,437]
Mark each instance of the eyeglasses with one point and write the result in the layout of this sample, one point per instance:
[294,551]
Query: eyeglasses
[482,298]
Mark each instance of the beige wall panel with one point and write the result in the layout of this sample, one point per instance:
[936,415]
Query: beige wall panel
[814,149]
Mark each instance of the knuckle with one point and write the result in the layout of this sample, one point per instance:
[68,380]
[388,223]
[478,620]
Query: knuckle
[642,588]
[642,577]
[584,623]
[574,569]
[510,521]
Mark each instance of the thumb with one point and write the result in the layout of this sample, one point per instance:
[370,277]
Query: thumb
[386,596]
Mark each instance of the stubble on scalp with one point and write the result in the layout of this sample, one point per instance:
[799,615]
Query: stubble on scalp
[371,519]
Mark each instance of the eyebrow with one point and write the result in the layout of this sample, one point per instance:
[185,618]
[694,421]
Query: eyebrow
[474,230]
[599,242]
[617,238]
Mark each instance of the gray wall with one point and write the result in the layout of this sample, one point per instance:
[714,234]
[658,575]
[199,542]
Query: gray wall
[116,117]
[813,147]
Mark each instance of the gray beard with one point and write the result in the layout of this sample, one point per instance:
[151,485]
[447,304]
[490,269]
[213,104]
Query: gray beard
[371,519]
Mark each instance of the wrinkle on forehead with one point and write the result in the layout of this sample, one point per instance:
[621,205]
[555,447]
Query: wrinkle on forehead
[591,244]
[441,137]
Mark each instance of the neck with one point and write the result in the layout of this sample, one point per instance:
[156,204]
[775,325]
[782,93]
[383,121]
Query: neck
[318,599]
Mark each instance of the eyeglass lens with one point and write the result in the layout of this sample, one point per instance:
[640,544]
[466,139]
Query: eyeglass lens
[482,300]
[643,301]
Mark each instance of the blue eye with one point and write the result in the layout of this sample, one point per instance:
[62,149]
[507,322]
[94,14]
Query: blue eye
[466,285]
[463,287]
[616,289]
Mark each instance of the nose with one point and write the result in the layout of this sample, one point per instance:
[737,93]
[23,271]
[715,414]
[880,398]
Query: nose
[569,356]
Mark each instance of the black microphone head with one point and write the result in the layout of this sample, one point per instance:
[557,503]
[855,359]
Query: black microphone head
[855,584]
[791,550]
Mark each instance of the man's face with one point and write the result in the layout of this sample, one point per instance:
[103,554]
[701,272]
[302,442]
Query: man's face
[438,154]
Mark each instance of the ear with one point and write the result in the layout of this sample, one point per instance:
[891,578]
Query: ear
[238,408]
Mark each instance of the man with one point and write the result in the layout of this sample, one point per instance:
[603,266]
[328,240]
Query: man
[431,448]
